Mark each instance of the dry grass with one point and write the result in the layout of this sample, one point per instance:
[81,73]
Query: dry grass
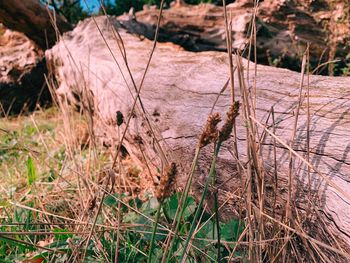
[87,193]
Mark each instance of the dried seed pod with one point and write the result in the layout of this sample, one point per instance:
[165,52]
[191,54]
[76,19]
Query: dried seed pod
[138,139]
[92,203]
[210,133]
[166,184]
[112,177]
[119,118]
[226,129]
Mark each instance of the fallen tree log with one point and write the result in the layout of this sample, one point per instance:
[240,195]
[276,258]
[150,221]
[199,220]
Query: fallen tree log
[177,96]
[22,69]
[284,28]
[33,19]
[22,62]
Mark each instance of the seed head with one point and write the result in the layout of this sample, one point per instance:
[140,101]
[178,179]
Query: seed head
[226,129]
[210,133]
[167,181]
[119,118]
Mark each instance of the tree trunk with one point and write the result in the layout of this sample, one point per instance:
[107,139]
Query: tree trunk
[179,92]
[33,19]
[22,70]
[284,28]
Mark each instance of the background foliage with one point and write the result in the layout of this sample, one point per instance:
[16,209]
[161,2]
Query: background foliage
[73,10]
[118,7]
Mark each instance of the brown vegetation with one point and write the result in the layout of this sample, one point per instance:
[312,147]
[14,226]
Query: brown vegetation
[281,166]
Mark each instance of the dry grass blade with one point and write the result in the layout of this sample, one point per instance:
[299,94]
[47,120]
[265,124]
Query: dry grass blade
[108,179]
[340,252]
[228,31]
[32,245]
[99,200]
[163,156]
[324,177]
[288,217]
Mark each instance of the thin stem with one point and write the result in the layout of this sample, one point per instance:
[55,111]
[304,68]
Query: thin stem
[150,253]
[181,209]
[193,225]
[216,205]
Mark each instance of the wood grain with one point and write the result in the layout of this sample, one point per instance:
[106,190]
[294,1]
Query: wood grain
[178,95]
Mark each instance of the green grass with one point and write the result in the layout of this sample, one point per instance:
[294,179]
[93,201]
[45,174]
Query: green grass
[33,161]
[135,241]
[25,139]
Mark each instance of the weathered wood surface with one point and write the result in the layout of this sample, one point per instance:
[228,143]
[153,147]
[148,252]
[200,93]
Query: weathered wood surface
[22,69]
[196,28]
[33,19]
[283,29]
[22,62]
[178,94]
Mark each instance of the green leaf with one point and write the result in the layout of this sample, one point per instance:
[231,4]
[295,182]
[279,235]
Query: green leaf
[207,231]
[136,202]
[150,207]
[231,230]
[110,200]
[31,174]
[60,236]
[52,176]
[172,205]
[130,217]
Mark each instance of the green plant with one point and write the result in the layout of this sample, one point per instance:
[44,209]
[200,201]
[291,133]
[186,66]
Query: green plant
[118,7]
[72,10]
[346,69]
[16,246]
[31,173]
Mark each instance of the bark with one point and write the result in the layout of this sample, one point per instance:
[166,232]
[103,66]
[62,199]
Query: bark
[33,19]
[283,29]
[177,96]
[22,69]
